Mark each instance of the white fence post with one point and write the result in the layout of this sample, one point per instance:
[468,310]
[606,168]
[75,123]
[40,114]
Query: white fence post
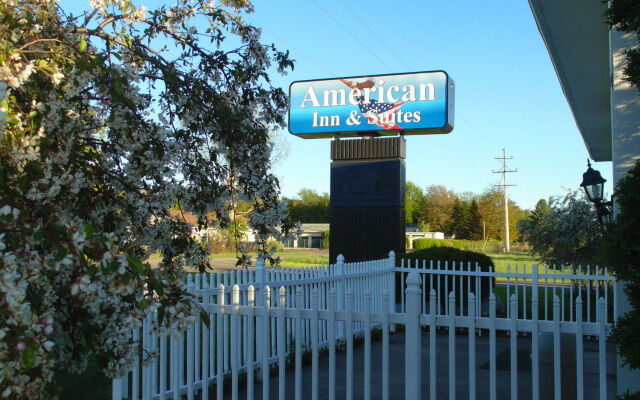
[579,350]
[432,343]
[513,336]
[451,311]
[535,350]
[259,284]
[116,389]
[392,286]
[340,292]
[557,383]
[492,346]
[471,309]
[412,342]
[602,347]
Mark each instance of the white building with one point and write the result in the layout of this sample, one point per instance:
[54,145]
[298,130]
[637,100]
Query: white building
[588,59]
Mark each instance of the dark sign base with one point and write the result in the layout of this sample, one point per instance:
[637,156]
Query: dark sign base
[366,233]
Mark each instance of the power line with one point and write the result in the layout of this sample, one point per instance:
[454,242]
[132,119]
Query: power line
[375,35]
[504,171]
[313,60]
[352,35]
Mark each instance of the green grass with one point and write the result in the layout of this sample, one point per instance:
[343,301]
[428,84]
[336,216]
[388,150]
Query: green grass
[526,261]
[501,260]
[291,260]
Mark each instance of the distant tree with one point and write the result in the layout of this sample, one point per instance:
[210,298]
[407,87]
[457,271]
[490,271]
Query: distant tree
[413,200]
[309,207]
[437,207]
[568,234]
[459,221]
[475,222]
[491,207]
[541,211]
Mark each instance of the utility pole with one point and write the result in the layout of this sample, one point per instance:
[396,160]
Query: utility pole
[504,171]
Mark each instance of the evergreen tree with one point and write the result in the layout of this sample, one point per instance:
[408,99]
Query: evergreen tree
[475,222]
[459,222]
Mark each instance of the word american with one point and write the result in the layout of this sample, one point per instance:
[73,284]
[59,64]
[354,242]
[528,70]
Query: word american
[339,97]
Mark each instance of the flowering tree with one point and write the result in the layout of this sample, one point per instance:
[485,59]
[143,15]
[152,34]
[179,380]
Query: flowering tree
[564,232]
[111,117]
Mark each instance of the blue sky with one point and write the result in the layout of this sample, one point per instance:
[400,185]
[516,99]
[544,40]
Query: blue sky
[507,92]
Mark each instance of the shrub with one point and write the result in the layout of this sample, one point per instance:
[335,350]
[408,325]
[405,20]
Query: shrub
[272,244]
[620,251]
[419,244]
[469,245]
[450,255]
[325,239]
[219,242]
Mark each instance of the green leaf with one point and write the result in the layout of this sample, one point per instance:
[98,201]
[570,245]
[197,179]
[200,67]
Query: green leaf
[29,354]
[135,264]
[157,286]
[88,230]
[38,236]
[117,87]
[61,253]
[59,227]
[83,46]
[142,304]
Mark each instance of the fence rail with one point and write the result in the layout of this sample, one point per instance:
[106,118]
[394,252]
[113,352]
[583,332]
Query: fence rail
[255,329]
[568,283]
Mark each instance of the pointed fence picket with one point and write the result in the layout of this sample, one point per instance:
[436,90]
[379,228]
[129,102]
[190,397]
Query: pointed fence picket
[256,325]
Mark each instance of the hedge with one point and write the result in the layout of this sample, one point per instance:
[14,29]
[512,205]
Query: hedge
[492,246]
[450,255]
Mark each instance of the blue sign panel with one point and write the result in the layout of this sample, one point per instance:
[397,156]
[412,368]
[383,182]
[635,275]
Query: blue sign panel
[411,104]
[367,183]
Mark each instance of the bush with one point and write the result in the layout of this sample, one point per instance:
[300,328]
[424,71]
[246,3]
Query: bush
[325,239]
[492,246]
[450,255]
[220,242]
[272,244]
[419,244]
[620,251]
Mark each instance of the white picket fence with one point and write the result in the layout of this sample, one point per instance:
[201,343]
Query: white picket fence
[589,283]
[255,328]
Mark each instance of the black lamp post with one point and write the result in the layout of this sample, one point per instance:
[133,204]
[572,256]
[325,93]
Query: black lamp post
[593,184]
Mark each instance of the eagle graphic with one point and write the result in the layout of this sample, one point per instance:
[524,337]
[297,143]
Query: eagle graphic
[382,114]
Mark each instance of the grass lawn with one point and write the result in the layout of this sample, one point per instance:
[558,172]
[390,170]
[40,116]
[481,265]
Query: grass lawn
[501,260]
[298,260]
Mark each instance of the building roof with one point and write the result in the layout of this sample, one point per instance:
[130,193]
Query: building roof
[577,38]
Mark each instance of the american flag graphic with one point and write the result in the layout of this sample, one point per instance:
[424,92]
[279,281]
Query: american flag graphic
[382,113]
